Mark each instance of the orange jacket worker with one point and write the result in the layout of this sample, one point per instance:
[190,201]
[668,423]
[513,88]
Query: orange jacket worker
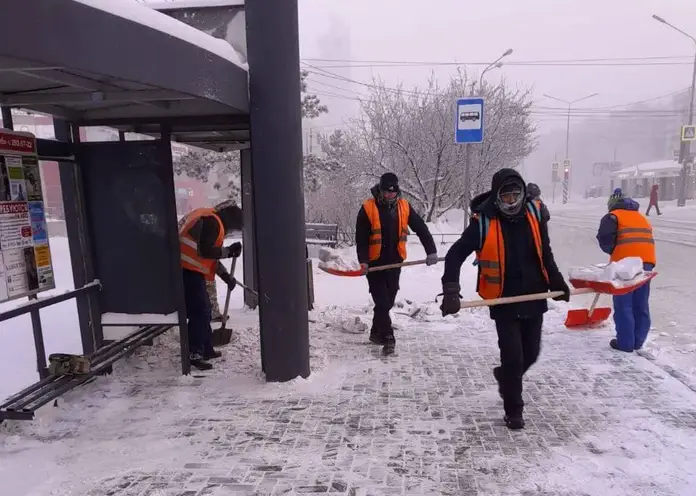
[380,237]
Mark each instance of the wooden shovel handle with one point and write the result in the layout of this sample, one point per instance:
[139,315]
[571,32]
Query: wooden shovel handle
[402,264]
[522,298]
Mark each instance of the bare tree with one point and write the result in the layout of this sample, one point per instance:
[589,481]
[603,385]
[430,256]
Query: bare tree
[411,133]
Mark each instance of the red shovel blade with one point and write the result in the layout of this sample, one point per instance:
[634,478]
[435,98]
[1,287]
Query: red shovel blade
[342,273]
[578,319]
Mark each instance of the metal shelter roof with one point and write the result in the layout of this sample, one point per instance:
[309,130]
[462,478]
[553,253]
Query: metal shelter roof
[96,63]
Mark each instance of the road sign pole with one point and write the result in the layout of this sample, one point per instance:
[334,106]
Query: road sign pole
[553,198]
[468,129]
[566,178]
[467,182]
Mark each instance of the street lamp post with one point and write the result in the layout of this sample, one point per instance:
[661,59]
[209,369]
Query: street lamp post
[468,150]
[684,146]
[566,171]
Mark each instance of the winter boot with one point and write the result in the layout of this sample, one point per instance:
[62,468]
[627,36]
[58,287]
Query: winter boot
[514,422]
[212,354]
[615,345]
[199,362]
[389,345]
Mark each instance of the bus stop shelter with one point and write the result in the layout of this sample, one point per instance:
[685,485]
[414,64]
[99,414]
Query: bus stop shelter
[126,66]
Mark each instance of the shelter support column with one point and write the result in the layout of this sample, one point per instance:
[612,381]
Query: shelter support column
[74,209]
[248,232]
[278,196]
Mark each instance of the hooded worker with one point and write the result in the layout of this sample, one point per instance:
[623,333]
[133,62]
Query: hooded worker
[381,232]
[625,232]
[534,194]
[514,256]
[201,240]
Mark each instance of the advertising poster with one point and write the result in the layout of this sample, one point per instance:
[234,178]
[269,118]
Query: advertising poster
[37,218]
[25,255]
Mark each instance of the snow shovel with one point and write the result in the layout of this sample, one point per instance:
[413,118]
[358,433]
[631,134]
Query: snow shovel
[360,272]
[223,335]
[581,318]
[592,317]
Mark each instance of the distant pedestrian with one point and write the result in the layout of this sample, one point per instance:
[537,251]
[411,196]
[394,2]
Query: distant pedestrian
[654,196]
[624,232]
[381,232]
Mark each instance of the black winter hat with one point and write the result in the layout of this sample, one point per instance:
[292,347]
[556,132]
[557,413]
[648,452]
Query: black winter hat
[389,182]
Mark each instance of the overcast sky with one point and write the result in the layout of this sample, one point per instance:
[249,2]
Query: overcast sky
[537,30]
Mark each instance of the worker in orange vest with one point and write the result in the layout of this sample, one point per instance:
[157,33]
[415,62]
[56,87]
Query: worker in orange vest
[625,232]
[201,240]
[510,237]
[381,232]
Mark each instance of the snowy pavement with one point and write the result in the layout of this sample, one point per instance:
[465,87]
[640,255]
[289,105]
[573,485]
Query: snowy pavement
[427,421]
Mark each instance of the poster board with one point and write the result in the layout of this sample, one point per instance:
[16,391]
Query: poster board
[26,266]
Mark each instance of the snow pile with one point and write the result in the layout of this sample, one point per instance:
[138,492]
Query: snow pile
[626,272]
[334,259]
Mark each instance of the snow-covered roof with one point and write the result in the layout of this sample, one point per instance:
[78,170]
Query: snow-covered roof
[194,4]
[142,14]
[657,166]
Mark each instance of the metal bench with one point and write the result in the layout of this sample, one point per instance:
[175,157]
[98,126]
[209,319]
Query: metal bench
[321,234]
[22,405]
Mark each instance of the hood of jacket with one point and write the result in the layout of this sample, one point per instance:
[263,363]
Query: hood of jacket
[625,204]
[485,202]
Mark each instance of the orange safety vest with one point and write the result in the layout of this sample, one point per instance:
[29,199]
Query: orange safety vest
[375,243]
[491,256]
[190,259]
[634,237]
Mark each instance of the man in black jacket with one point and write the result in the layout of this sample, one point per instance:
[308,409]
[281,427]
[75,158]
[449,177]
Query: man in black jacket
[514,258]
[201,236]
[380,237]
[534,193]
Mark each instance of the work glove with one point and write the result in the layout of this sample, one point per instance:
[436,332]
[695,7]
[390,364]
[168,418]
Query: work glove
[561,285]
[232,251]
[450,298]
[431,259]
[364,267]
[230,281]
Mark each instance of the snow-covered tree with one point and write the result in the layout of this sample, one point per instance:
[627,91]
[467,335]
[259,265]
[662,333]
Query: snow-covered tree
[411,133]
[199,163]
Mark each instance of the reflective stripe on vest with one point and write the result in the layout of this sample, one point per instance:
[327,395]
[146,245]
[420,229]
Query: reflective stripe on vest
[190,259]
[634,237]
[491,256]
[375,242]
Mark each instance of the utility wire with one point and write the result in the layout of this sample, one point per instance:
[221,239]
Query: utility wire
[599,62]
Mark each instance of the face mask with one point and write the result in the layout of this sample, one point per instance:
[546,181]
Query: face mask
[510,202]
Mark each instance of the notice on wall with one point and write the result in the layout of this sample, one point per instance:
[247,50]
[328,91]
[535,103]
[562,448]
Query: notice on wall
[25,254]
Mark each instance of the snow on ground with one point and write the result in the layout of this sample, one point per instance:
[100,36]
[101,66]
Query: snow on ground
[426,421]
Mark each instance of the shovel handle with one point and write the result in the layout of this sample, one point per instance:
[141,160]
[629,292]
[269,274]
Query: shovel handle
[402,264]
[522,298]
[229,295]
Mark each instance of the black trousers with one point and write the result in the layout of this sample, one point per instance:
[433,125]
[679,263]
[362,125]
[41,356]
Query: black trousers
[199,313]
[657,207]
[519,341]
[384,285]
